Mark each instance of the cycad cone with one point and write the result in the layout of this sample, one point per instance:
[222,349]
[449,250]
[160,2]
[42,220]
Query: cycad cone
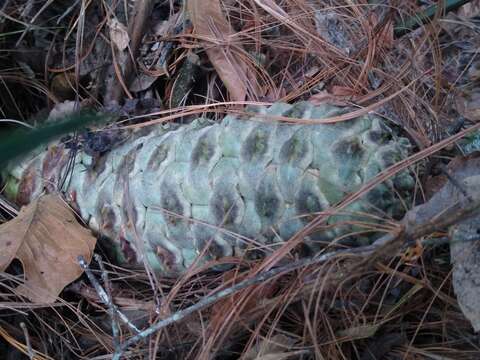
[238,187]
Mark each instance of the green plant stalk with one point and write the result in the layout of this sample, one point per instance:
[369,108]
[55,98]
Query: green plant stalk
[21,142]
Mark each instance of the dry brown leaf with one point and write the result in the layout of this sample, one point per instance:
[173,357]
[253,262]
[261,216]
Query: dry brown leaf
[142,82]
[119,34]
[167,27]
[210,23]
[63,86]
[359,332]
[274,348]
[468,105]
[47,239]
[464,245]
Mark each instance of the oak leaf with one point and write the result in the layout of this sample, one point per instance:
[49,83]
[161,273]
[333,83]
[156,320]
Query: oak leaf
[47,239]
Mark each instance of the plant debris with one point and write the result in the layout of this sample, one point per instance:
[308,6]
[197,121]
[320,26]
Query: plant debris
[47,239]
[139,66]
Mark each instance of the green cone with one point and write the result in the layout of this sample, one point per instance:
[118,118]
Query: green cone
[240,186]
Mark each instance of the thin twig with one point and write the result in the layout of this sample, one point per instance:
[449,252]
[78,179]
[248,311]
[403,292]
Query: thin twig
[112,312]
[68,11]
[104,296]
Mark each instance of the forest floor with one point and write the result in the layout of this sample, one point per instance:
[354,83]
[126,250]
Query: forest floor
[413,63]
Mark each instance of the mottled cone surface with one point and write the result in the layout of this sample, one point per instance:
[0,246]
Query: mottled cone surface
[236,187]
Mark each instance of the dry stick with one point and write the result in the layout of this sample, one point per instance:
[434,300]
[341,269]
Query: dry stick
[112,312]
[104,296]
[31,354]
[181,314]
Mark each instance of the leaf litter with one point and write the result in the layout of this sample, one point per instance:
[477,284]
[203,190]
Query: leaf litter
[414,300]
[47,239]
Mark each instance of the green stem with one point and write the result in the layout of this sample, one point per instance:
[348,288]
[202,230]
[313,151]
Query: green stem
[21,142]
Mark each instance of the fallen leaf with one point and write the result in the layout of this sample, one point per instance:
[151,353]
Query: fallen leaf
[142,82]
[119,34]
[47,239]
[212,27]
[469,10]
[465,258]
[468,105]
[464,245]
[433,185]
[167,27]
[359,332]
[62,110]
[63,86]
[274,348]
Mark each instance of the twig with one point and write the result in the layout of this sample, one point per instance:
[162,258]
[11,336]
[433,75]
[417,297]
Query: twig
[31,354]
[26,13]
[104,296]
[113,313]
[4,6]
